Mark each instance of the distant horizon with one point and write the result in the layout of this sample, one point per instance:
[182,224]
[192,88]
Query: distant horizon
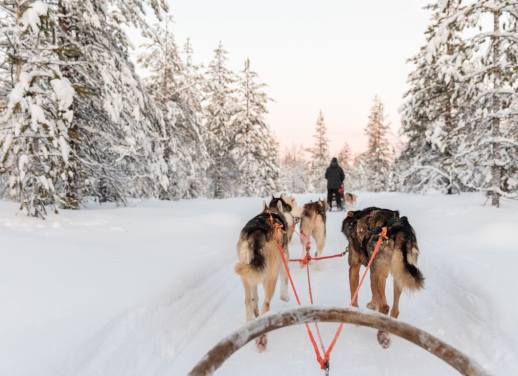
[333,57]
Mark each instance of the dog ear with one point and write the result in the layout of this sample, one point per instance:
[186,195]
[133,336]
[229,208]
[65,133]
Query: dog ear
[350,213]
[265,206]
[279,206]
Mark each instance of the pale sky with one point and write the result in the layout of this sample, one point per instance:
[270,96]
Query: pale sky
[333,55]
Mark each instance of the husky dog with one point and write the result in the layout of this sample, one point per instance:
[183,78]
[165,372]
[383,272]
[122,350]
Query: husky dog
[259,259]
[313,223]
[350,199]
[292,213]
[397,255]
[291,210]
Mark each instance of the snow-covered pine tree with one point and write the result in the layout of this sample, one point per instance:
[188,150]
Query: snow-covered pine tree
[359,175]
[220,108]
[377,159]
[256,149]
[119,127]
[294,175]
[430,113]
[113,134]
[345,159]
[319,156]
[34,138]
[467,139]
[491,116]
[172,88]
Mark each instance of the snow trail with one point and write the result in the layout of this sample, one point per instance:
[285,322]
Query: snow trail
[161,290]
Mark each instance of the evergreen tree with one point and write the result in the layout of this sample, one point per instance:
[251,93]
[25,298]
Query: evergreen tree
[460,113]
[345,159]
[220,109]
[111,140]
[34,143]
[294,171]
[319,155]
[377,158]
[171,86]
[430,113]
[256,148]
[490,121]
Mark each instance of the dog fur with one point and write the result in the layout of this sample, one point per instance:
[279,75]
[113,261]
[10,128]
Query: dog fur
[291,210]
[397,256]
[259,259]
[313,224]
[350,199]
[292,213]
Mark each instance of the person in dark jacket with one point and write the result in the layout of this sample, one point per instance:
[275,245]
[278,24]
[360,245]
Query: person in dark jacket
[335,178]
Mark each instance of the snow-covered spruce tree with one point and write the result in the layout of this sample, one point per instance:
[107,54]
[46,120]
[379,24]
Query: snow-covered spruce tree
[119,128]
[256,149]
[294,175]
[490,146]
[359,175]
[34,130]
[377,159]
[430,113]
[345,159]
[114,133]
[319,156]
[172,88]
[219,111]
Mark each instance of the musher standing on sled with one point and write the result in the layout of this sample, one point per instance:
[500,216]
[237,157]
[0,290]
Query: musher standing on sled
[335,179]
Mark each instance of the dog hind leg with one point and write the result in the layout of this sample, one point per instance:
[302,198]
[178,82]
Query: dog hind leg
[380,282]
[284,281]
[320,238]
[269,289]
[354,280]
[394,312]
[249,300]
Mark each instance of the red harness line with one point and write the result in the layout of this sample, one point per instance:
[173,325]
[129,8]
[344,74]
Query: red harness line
[323,359]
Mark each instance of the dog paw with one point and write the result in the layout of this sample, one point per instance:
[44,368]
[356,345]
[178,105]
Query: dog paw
[285,297]
[370,305]
[383,339]
[261,343]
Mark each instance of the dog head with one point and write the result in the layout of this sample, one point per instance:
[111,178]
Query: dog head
[296,210]
[349,223]
[323,203]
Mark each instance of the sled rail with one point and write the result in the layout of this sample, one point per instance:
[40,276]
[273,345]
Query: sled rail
[262,325]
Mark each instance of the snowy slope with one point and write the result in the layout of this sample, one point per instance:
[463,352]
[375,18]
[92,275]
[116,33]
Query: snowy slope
[147,290]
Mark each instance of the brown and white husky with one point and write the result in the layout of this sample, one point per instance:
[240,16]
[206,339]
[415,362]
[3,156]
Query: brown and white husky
[397,256]
[313,224]
[292,213]
[259,259]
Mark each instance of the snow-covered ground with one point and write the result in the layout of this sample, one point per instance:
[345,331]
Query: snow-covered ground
[148,289]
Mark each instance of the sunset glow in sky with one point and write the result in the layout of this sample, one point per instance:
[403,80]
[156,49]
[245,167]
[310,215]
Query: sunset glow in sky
[333,55]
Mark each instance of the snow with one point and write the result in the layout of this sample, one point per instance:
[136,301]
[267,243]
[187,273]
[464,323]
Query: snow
[31,17]
[148,289]
[64,92]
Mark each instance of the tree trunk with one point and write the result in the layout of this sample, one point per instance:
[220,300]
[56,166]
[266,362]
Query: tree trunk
[496,172]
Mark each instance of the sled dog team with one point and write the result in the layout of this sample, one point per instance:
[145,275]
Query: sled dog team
[260,262]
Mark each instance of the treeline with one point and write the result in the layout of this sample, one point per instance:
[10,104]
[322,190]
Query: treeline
[459,117]
[78,123]
[303,169]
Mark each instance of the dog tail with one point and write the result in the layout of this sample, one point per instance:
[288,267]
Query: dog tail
[254,246]
[405,270]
